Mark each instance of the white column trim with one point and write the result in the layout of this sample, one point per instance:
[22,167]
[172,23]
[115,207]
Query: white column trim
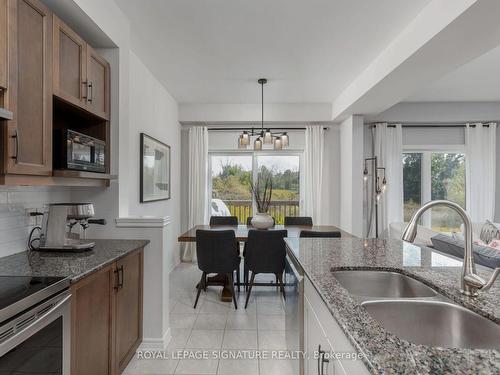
[152,344]
[142,222]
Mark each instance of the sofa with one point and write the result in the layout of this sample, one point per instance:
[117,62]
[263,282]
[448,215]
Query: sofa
[447,244]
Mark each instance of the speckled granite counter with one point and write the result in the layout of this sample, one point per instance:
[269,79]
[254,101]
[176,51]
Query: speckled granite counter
[73,265]
[384,352]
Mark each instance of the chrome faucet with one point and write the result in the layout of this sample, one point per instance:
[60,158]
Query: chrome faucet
[471,283]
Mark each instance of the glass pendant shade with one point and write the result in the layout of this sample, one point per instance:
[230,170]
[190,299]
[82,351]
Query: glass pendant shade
[278,144]
[284,139]
[245,138]
[268,137]
[257,145]
[241,142]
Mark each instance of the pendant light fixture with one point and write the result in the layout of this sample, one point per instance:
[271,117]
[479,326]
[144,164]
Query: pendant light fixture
[264,136]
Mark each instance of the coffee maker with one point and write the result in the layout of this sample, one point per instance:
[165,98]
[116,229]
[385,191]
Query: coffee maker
[57,224]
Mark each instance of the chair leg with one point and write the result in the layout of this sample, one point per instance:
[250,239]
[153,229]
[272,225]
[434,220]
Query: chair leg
[249,289]
[238,277]
[245,279]
[201,285]
[282,285]
[277,280]
[231,283]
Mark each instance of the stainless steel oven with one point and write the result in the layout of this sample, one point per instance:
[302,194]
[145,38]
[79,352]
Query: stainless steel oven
[37,340]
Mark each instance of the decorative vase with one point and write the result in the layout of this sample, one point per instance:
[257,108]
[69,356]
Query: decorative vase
[262,221]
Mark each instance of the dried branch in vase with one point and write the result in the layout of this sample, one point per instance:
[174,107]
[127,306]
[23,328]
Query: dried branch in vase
[262,196]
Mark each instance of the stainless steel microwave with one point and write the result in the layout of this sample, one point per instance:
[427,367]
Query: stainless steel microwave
[79,152]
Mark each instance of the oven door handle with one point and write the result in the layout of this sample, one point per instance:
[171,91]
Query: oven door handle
[29,330]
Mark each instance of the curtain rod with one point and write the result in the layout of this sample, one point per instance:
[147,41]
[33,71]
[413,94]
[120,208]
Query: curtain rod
[437,125]
[257,128]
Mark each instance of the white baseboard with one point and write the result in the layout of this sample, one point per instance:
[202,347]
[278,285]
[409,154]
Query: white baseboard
[155,344]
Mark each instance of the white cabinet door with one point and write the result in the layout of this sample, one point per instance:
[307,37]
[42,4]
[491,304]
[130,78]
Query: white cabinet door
[320,328]
[319,360]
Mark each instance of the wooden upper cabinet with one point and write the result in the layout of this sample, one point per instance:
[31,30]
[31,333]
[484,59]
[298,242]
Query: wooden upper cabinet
[81,76]
[3,44]
[128,308]
[70,64]
[29,95]
[98,84]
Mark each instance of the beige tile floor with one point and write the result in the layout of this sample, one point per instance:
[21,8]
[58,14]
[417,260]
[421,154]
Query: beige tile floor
[216,325]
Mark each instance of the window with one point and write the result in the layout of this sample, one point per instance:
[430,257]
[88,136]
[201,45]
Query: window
[284,171]
[431,175]
[233,173]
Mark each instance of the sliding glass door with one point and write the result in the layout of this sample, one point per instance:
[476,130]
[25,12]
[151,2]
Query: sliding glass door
[233,173]
[431,175]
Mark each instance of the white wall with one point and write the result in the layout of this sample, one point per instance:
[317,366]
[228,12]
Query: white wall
[351,175]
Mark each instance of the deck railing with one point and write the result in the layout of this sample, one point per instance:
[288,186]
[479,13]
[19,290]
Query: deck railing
[278,209]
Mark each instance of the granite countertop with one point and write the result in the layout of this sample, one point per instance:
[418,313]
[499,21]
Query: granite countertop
[64,264]
[384,352]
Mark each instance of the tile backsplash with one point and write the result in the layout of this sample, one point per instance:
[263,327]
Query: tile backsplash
[15,204]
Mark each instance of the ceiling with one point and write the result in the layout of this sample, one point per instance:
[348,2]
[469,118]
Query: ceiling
[476,81]
[310,50]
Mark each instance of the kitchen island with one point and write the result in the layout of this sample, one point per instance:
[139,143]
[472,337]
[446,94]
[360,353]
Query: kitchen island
[383,352]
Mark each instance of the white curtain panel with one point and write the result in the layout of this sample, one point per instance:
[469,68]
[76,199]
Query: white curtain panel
[198,208]
[313,172]
[480,158]
[389,151]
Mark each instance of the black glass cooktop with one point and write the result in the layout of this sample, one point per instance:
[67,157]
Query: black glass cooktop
[18,293]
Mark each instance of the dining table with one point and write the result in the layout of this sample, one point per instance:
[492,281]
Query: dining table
[241,234]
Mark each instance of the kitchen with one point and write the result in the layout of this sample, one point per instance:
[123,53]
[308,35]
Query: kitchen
[98,276]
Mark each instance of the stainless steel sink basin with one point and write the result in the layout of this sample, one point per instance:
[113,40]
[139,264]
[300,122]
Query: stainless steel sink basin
[382,284]
[435,323]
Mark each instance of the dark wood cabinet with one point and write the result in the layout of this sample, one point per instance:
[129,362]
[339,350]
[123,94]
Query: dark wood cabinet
[28,136]
[107,317]
[3,44]
[128,311]
[81,76]
[70,64]
[92,324]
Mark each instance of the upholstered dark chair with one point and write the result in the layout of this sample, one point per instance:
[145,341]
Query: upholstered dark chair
[299,220]
[224,220]
[249,221]
[215,253]
[316,234]
[229,221]
[265,253]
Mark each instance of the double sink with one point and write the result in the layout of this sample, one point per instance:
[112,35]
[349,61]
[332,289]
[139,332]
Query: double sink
[417,313]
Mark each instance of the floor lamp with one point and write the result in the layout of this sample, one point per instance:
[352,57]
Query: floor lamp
[379,182]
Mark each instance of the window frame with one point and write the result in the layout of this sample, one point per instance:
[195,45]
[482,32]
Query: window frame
[254,154]
[426,172]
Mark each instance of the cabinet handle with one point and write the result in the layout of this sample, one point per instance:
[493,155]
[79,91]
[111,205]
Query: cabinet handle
[16,137]
[90,92]
[119,277]
[321,361]
[85,84]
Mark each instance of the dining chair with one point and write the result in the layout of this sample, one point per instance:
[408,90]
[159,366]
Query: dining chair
[215,253]
[224,220]
[265,253]
[299,220]
[249,221]
[317,234]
